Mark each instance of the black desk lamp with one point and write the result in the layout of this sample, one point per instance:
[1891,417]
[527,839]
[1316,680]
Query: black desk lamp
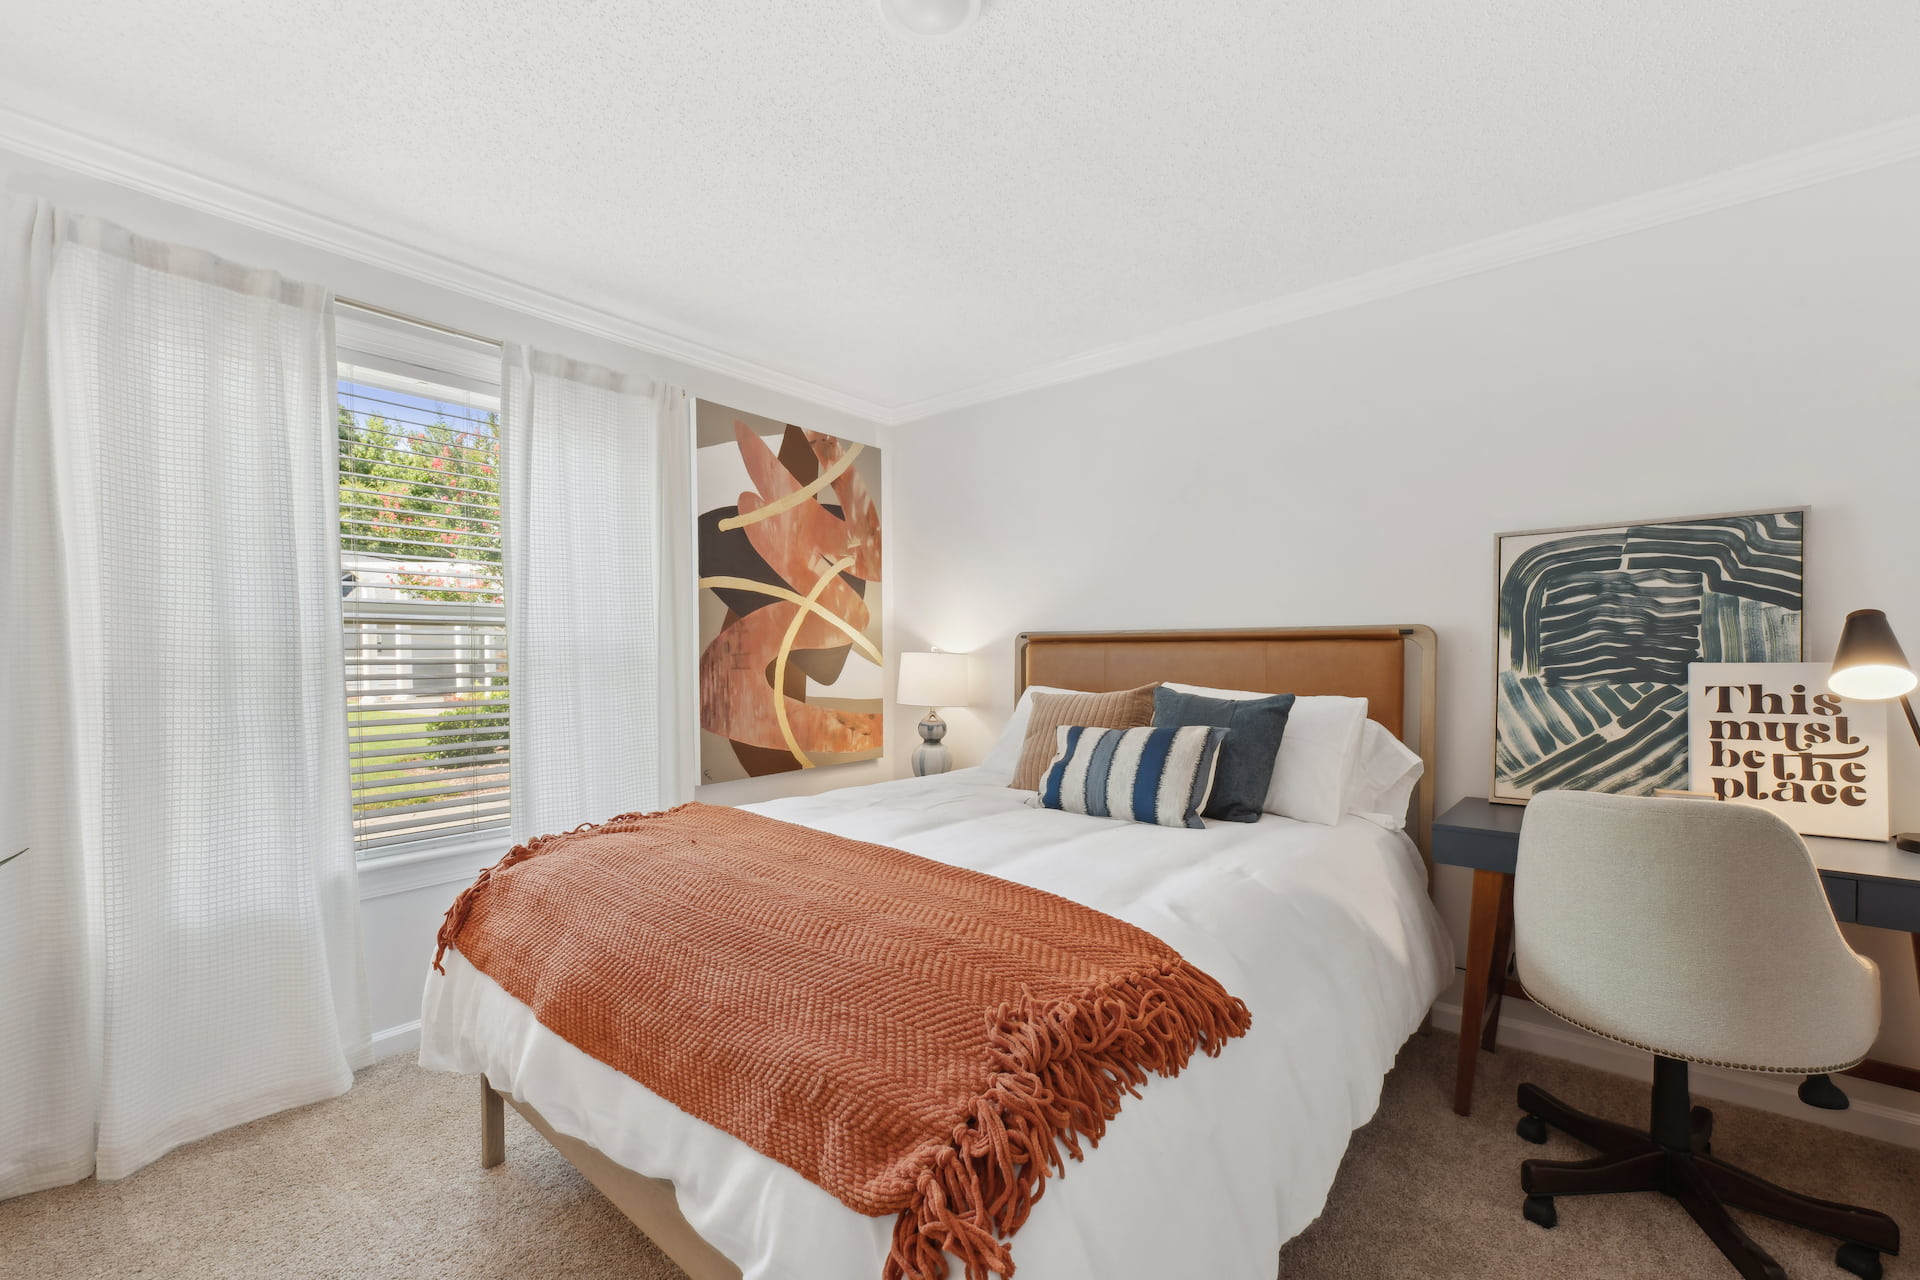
[1869,664]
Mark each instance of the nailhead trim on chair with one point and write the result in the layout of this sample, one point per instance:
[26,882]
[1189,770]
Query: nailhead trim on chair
[1668,1053]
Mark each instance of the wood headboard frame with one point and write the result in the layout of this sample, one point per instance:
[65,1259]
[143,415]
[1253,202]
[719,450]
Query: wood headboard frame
[1360,662]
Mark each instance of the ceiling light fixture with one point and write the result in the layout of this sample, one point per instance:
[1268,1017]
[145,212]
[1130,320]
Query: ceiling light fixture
[930,19]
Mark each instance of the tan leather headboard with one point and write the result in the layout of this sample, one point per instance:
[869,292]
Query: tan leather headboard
[1359,662]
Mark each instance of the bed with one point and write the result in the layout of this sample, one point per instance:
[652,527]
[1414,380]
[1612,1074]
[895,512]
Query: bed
[1326,932]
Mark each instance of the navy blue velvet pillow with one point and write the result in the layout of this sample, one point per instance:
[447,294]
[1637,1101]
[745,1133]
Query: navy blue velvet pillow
[1245,769]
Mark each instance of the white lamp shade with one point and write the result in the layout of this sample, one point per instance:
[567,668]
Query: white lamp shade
[933,679]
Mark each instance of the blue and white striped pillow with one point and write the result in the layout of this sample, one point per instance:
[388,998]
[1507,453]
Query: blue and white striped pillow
[1162,776]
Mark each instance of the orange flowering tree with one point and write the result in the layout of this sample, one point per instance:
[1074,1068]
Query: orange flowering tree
[424,492]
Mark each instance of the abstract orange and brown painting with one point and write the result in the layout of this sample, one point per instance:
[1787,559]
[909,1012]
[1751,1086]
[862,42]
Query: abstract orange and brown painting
[790,660]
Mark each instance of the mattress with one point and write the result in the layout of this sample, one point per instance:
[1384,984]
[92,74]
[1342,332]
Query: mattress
[1327,933]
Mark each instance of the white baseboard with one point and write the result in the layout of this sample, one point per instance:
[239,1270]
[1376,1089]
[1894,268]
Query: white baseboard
[405,1038]
[1878,1111]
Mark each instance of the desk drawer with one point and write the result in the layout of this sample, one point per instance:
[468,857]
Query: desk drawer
[1481,850]
[1886,904]
[1844,893]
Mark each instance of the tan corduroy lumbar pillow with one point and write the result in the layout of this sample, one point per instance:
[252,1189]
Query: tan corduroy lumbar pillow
[1124,709]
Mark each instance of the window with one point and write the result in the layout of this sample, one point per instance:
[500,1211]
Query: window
[420,582]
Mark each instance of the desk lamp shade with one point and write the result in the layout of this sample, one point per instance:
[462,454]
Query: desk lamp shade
[933,680]
[1869,664]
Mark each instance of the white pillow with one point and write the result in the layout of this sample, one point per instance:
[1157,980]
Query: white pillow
[1004,755]
[1317,753]
[1385,772]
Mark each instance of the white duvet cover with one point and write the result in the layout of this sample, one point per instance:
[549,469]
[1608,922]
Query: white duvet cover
[1327,933]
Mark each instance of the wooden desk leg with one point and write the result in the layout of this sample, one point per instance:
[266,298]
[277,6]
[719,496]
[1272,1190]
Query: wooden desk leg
[1489,887]
[493,1126]
[1501,961]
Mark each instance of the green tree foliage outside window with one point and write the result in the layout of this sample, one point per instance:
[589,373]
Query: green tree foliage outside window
[422,491]
[433,492]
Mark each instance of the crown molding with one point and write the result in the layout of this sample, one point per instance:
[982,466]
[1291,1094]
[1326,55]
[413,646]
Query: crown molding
[66,149]
[1852,153]
[1788,171]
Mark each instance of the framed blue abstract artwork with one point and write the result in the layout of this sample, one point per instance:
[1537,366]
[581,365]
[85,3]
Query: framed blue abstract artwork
[1595,628]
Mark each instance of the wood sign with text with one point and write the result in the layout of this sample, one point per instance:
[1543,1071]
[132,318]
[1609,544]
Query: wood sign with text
[1769,734]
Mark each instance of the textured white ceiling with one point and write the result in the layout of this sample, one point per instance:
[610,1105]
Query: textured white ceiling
[793,183]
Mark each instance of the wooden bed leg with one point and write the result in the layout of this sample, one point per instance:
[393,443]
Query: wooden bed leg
[493,1126]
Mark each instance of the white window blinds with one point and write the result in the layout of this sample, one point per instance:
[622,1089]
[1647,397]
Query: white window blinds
[420,583]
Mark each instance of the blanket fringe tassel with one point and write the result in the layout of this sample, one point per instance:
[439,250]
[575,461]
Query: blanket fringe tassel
[1058,1074]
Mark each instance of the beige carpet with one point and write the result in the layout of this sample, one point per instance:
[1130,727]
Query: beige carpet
[383,1184]
[1427,1195]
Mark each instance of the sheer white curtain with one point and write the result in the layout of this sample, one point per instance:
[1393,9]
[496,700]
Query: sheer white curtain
[678,592]
[180,944]
[580,475]
[46,1027]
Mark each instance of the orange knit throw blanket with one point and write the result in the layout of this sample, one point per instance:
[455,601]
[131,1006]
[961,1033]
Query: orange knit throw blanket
[917,1039]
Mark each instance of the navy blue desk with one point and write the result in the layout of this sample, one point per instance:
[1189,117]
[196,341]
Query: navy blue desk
[1868,882]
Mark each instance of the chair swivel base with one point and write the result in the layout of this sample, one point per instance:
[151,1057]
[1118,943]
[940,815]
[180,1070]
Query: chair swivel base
[1676,1158]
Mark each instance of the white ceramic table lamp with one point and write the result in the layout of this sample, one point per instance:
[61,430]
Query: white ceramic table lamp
[933,680]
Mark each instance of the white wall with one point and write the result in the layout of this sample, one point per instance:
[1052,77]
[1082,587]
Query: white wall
[402,904]
[1354,468]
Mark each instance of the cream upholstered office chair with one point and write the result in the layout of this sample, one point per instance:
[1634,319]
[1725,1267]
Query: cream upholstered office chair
[1698,932]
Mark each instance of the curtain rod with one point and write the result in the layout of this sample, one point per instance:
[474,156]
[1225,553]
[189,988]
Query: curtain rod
[424,324]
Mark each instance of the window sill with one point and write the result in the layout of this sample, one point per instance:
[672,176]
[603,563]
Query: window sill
[451,862]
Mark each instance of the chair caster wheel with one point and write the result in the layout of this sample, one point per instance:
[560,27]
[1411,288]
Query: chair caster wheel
[1533,1129]
[1540,1212]
[1859,1260]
